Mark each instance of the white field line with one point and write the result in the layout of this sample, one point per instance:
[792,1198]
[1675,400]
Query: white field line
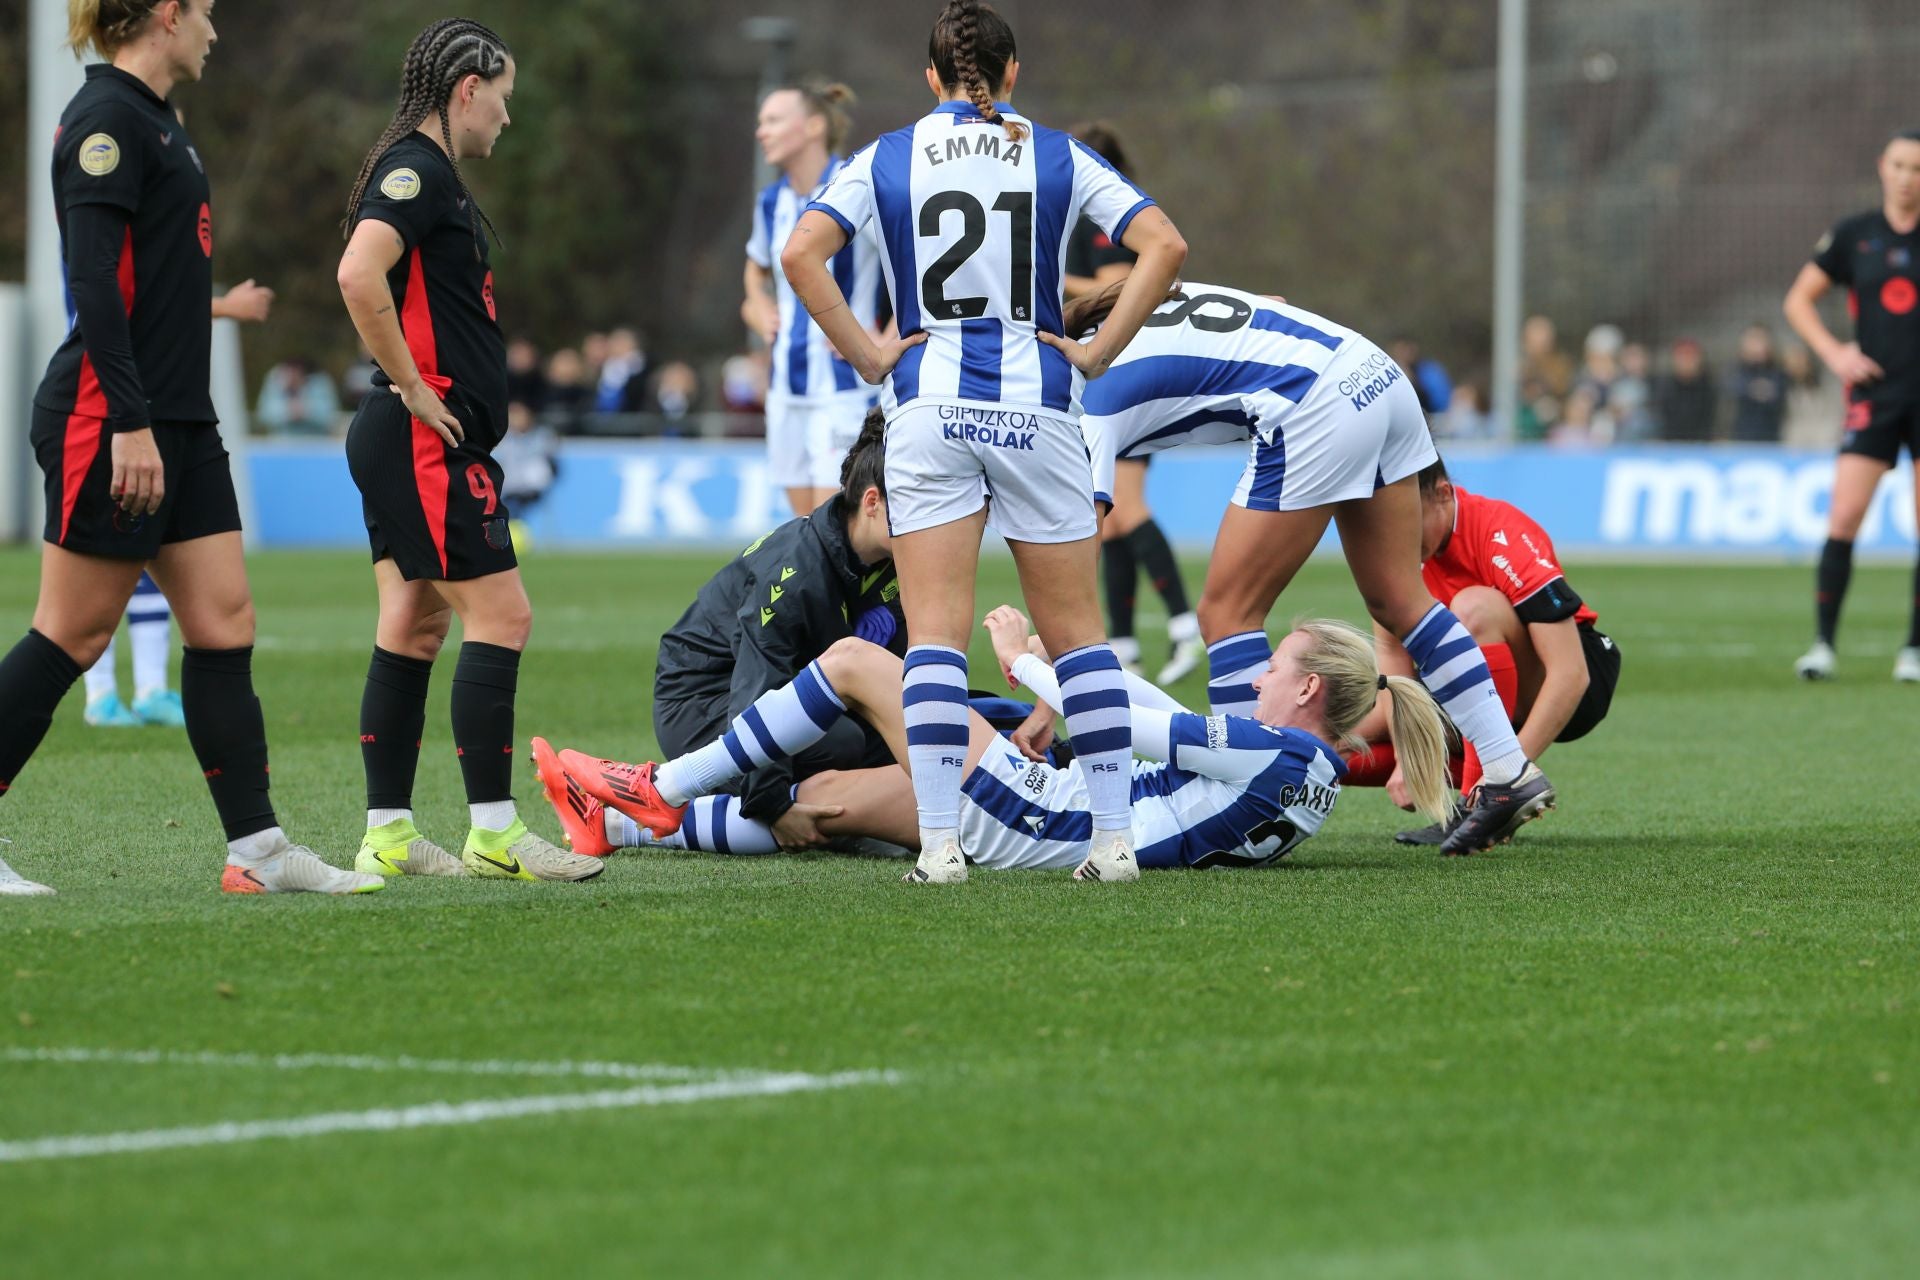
[358,1062]
[429,1115]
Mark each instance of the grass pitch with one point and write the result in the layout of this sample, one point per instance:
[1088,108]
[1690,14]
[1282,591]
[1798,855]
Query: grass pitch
[1671,1031]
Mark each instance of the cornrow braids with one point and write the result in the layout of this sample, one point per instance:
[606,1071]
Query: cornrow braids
[971,48]
[442,55]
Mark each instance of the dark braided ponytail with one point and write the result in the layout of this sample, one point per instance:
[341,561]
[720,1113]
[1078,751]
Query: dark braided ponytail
[971,48]
[439,58]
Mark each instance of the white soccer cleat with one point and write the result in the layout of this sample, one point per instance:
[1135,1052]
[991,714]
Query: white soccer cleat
[1186,659]
[1818,663]
[1906,666]
[1110,859]
[941,862]
[15,885]
[294,868]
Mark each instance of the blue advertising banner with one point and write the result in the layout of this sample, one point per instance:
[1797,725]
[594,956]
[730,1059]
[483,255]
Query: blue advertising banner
[1669,501]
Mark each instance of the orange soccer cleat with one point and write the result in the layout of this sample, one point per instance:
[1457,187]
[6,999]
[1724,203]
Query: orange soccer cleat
[581,816]
[626,787]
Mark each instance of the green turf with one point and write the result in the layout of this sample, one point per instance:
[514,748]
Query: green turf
[1672,1031]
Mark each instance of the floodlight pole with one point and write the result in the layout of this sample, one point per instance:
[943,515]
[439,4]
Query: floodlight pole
[53,76]
[778,35]
[1509,225]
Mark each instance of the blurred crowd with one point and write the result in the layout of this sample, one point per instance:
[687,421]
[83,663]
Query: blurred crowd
[1625,392]
[1616,391]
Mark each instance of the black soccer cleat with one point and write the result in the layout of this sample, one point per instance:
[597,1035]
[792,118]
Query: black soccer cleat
[1435,834]
[1494,813]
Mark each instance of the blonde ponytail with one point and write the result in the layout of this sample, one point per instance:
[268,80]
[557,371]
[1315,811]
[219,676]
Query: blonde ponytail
[105,25]
[1342,656]
[1420,745]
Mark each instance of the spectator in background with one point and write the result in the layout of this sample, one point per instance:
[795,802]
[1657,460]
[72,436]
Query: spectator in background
[1429,376]
[529,458]
[1578,423]
[743,382]
[622,384]
[297,400]
[1758,387]
[676,392]
[358,382]
[1815,404]
[569,396]
[1466,417]
[1686,401]
[593,350]
[1546,376]
[526,384]
[1599,370]
[1631,398]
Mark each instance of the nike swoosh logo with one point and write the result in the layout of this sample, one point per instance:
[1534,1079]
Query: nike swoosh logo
[511,866]
[866,583]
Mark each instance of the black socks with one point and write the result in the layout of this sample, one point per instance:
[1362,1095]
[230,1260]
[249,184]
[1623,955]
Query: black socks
[229,735]
[393,716]
[1830,585]
[483,687]
[1151,549]
[34,676]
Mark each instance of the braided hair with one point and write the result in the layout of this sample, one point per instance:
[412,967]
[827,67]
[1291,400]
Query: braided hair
[438,59]
[971,48]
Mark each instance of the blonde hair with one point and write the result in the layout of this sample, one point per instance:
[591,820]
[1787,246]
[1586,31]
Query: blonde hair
[107,25]
[1342,656]
[829,101]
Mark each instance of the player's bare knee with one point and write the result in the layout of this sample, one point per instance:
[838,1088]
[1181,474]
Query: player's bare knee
[1485,613]
[1222,618]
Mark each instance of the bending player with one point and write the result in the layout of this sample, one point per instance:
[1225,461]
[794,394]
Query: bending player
[1496,569]
[1238,791]
[754,626]
[1337,434]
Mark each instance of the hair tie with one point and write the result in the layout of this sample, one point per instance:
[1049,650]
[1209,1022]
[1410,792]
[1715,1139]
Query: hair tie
[1383,682]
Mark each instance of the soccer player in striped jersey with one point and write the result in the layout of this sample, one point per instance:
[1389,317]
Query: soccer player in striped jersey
[1219,791]
[973,205]
[125,430]
[1337,435]
[815,400]
[417,285]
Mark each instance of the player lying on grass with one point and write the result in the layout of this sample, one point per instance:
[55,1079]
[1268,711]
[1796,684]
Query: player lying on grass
[1496,568]
[1222,791]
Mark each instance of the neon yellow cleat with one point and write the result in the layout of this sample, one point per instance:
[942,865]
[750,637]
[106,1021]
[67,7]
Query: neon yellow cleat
[518,854]
[398,849]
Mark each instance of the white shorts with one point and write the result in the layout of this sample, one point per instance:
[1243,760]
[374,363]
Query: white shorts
[808,439]
[946,461]
[1359,429]
[1018,815]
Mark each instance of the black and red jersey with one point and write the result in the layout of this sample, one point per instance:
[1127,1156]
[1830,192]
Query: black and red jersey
[1881,267]
[136,228]
[442,282]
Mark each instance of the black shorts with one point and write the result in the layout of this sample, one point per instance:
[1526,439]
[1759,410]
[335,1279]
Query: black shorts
[1603,675]
[437,512]
[76,454]
[1878,426]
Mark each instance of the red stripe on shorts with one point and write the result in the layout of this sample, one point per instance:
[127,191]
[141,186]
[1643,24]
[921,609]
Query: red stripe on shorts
[429,451]
[82,443]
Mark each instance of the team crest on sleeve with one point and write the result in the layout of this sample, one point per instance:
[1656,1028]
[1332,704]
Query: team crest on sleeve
[401,184]
[99,155]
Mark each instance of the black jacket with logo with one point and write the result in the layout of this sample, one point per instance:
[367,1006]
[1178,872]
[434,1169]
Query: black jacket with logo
[776,607]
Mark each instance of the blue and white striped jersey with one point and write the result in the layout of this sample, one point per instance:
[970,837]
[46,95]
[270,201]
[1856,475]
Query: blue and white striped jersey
[1217,367]
[805,365]
[1234,793]
[973,236]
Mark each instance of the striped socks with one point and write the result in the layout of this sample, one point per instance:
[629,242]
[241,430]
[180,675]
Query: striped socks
[711,823]
[1455,672]
[1232,664]
[1093,697]
[779,723]
[934,698]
